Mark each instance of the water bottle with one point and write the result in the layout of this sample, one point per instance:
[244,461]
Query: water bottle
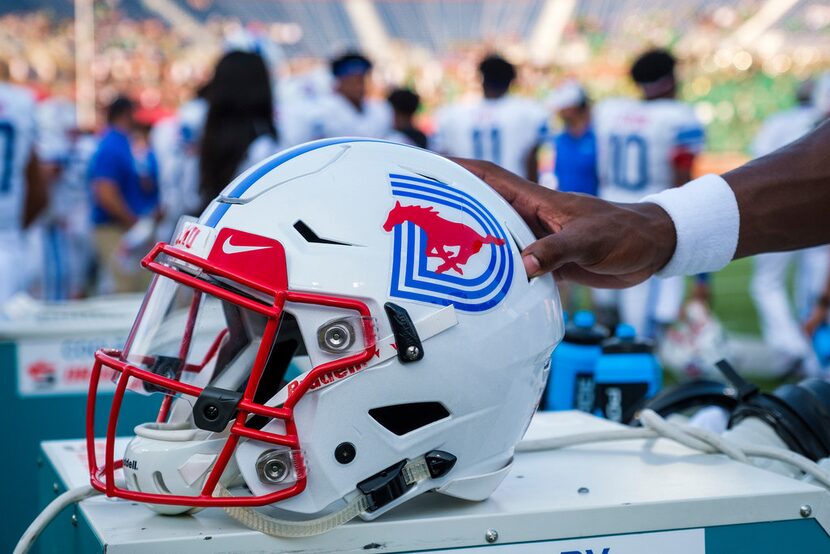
[627,372]
[821,344]
[571,385]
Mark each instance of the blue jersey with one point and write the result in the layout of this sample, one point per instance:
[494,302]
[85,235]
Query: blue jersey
[114,161]
[576,162]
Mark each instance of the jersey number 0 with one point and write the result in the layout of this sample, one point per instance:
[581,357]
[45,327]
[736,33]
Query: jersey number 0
[7,136]
[629,161]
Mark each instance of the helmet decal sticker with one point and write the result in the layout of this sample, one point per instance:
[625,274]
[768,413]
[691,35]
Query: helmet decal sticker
[448,248]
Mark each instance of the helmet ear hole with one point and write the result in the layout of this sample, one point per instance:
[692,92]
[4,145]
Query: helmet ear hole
[405,418]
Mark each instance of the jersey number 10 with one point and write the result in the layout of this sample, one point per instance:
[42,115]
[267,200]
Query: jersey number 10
[629,161]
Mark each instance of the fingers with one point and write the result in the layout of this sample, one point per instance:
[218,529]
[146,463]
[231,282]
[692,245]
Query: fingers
[526,197]
[576,274]
[550,253]
[509,185]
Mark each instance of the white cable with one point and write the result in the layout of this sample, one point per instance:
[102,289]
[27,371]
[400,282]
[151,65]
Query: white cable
[692,437]
[555,443]
[655,426]
[49,513]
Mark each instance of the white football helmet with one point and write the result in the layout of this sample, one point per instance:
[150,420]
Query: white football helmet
[393,277]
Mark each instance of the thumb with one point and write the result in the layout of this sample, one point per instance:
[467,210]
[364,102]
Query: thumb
[550,253]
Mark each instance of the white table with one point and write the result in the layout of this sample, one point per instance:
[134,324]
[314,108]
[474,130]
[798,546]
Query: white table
[627,497]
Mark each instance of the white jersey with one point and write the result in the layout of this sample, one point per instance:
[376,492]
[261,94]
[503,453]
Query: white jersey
[55,118]
[334,116]
[503,130]
[636,143]
[175,144]
[59,144]
[782,128]
[17,135]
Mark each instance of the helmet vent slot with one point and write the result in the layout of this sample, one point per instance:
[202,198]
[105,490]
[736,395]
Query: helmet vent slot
[405,418]
[310,236]
[159,481]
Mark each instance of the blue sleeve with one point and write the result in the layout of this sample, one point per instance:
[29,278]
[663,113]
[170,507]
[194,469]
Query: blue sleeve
[543,132]
[153,167]
[690,136]
[106,164]
[553,140]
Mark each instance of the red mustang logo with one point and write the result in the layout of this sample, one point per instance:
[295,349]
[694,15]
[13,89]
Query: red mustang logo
[441,234]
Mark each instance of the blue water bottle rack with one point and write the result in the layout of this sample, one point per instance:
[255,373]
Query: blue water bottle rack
[627,372]
[821,344]
[571,385]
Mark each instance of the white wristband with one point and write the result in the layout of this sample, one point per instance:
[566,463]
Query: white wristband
[706,219]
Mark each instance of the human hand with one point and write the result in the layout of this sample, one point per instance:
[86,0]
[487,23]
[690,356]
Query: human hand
[582,238]
[816,319]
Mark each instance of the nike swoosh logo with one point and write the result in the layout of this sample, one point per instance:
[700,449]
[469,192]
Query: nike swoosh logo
[229,248]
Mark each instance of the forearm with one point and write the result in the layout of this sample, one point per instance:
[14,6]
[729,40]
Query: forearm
[37,197]
[784,197]
[111,201]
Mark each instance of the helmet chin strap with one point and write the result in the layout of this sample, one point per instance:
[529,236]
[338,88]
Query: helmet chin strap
[413,472]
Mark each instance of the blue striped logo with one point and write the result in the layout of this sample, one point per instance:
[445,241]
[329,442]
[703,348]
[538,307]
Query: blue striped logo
[448,248]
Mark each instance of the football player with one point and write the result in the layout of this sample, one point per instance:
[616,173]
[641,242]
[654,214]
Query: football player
[175,142]
[779,325]
[574,152]
[63,235]
[405,104]
[22,190]
[347,111]
[645,146]
[500,127]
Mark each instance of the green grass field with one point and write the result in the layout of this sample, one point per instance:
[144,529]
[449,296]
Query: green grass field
[732,303]
[730,291]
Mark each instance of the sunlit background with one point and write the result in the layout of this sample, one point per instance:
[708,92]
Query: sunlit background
[740,60]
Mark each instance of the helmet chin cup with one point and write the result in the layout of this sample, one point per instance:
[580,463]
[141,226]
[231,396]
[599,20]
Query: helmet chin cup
[173,460]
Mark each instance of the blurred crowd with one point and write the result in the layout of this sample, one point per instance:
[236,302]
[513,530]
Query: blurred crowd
[181,118]
[159,65]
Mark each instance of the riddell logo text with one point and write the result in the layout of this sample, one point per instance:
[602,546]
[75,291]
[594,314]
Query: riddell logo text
[328,378]
[130,464]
